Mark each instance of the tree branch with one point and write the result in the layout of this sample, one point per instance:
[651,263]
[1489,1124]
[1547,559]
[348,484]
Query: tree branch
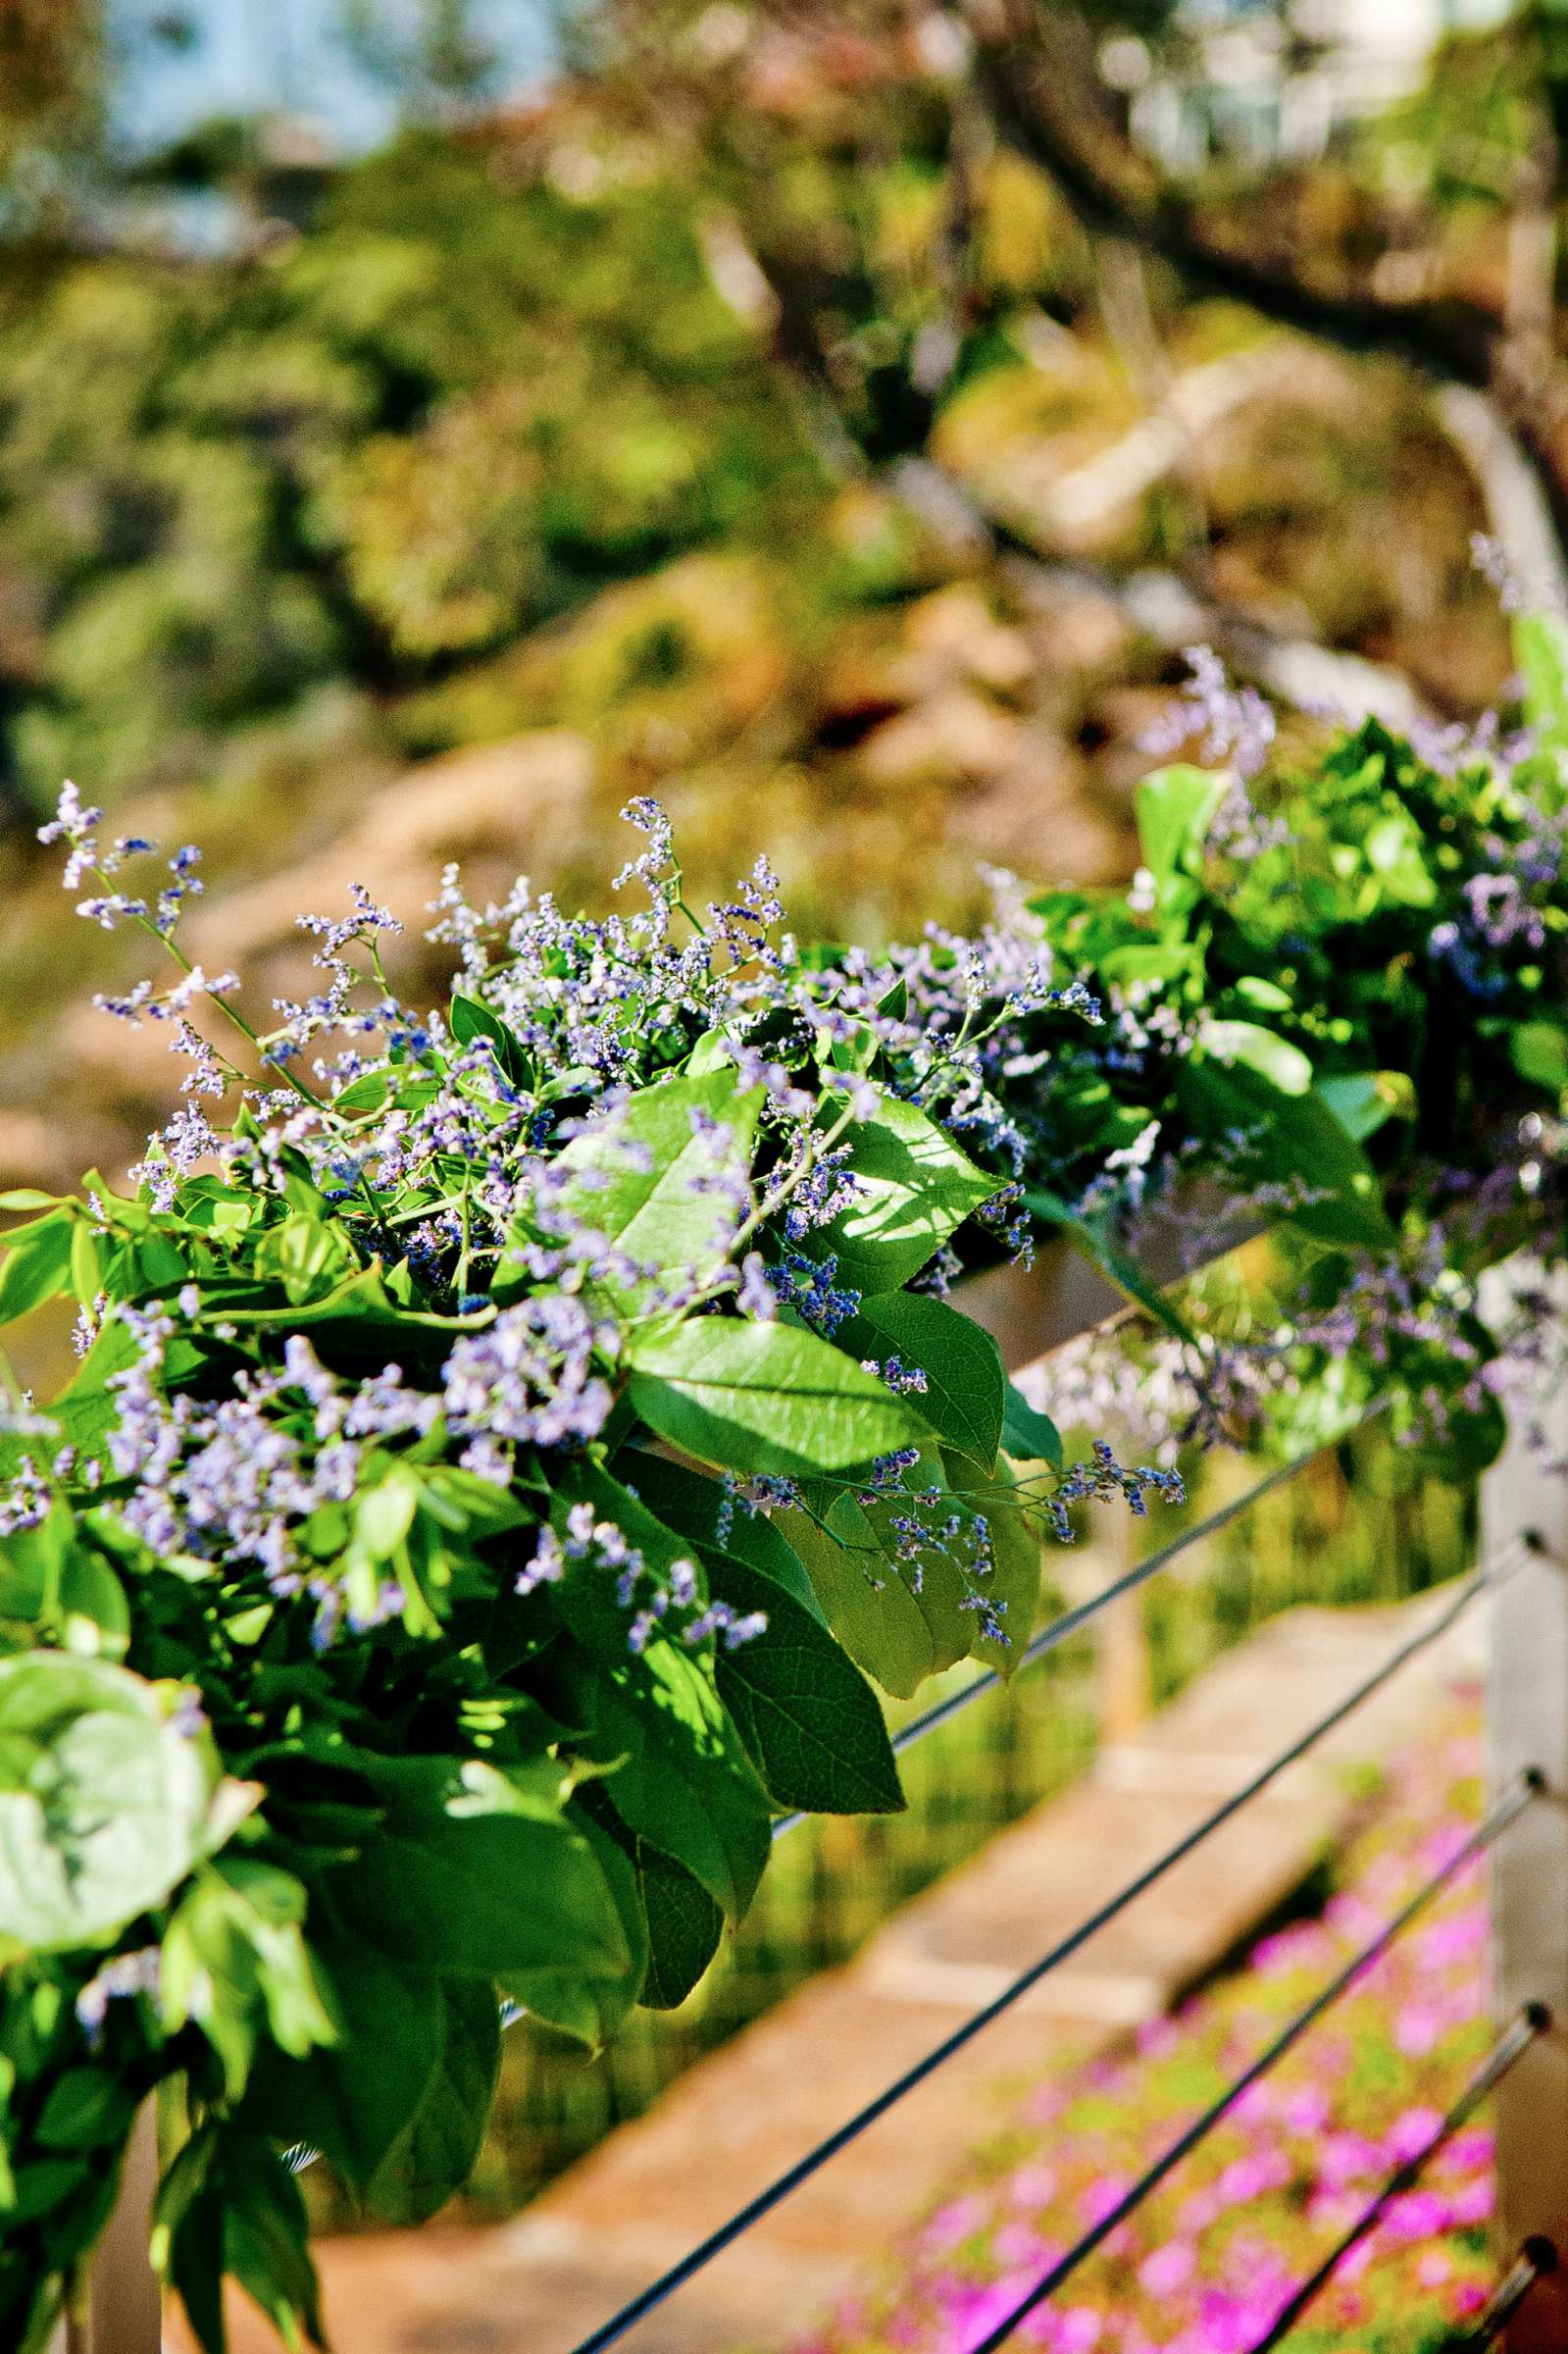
[1036,89]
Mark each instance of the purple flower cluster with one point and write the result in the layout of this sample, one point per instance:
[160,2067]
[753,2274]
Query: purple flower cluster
[1234,724]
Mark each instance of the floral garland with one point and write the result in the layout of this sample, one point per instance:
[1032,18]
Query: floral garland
[507,1438]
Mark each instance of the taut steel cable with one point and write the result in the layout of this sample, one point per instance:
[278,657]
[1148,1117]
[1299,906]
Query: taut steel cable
[1534,2261]
[1082,1614]
[647,2299]
[1510,2046]
[1512,1804]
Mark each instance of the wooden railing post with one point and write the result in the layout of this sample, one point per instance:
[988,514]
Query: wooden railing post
[1527,1726]
[121,2312]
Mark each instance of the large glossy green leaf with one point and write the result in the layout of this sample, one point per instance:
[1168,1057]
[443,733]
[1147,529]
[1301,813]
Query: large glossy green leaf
[105,1805]
[434,2153]
[684,1927]
[764,1398]
[646,1181]
[36,1263]
[1175,808]
[593,2009]
[1292,1139]
[903,1623]
[694,1506]
[485,1894]
[356,2100]
[913,1188]
[682,1778]
[805,1712]
[898,1636]
[965,1386]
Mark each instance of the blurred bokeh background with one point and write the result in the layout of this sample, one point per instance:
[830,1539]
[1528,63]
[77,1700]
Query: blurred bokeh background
[424,423]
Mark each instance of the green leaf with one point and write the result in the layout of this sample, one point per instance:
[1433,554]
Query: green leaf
[766,1398]
[1539,1051]
[36,1265]
[913,1187]
[1175,808]
[104,1804]
[265,2242]
[93,1610]
[87,1409]
[227,2203]
[682,1777]
[594,2009]
[1263,1050]
[896,1636]
[471,1020]
[236,1964]
[1298,1139]
[85,2109]
[31,1563]
[435,2153]
[693,1506]
[678,1781]
[1029,1436]
[483,1894]
[1540,651]
[1363,1102]
[903,1623]
[805,1712]
[309,1255]
[684,1924]
[354,2100]
[645,1182]
[965,1386]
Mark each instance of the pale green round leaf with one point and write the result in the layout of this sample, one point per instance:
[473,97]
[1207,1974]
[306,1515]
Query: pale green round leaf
[104,1804]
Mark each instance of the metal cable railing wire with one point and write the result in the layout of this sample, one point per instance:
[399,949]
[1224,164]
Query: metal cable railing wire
[699,2258]
[1509,2047]
[1536,2261]
[1059,1630]
[1507,1808]
[1073,1622]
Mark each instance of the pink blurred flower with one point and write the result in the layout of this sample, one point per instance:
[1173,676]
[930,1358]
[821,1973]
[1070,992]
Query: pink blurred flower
[1020,2243]
[1360,2260]
[1456,1939]
[1097,2201]
[1169,2268]
[1308,2111]
[1417,2028]
[1411,2132]
[1472,2201]
[1347,2158]
[1418,2214]
[953,2222]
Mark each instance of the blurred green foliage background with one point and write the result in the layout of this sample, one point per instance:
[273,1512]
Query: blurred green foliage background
[754,411]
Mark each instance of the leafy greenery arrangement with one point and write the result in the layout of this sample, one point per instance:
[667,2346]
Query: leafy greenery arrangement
[504,1445]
